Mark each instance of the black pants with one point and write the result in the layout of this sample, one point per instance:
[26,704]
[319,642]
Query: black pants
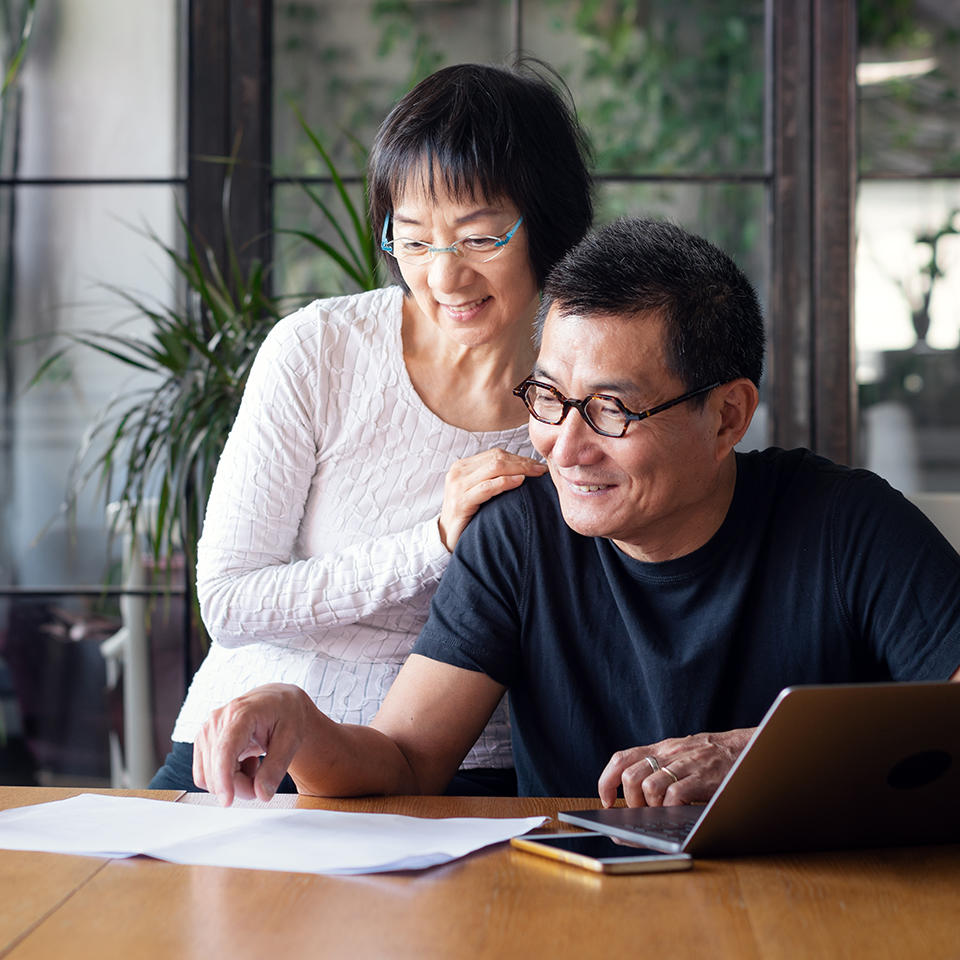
[177,774]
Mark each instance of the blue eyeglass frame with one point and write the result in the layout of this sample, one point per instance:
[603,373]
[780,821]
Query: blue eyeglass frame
[431,252]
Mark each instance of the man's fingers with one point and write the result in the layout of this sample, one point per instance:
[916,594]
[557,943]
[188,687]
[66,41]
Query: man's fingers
[232,744]
[676,771]
[615,770]
[206,767]
[634,779]
[199,748]
[242,785]
[226,752]
[274,764]
[651,776]
[245,747]
[659,784]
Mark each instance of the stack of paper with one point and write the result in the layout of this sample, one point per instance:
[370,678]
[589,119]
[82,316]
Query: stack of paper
[306,841]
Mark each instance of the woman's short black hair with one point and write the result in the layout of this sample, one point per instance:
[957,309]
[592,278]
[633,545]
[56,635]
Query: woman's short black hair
[713,325]
[483,132]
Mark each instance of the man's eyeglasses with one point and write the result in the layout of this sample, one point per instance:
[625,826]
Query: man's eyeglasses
[473,249]
[604,414]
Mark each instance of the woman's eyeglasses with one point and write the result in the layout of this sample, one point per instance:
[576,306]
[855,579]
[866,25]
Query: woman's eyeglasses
[475,249]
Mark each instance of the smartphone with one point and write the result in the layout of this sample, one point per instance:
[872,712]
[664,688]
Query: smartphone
[600,853]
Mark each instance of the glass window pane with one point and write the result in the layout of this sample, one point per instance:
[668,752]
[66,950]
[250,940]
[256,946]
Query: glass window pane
[345,64]
[733,216]
[53,680]
[907,327]
[661,86]
[61,703]
[68,245]
[302,271]
[908,86]
[100,91]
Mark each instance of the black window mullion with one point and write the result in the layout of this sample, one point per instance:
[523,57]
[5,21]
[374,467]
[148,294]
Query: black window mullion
[208,120]
[811,304]
[834,169]
[790,293]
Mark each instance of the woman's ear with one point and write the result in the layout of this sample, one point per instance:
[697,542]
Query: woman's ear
[737,402]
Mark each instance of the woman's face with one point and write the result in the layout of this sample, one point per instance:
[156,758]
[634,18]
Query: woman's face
[472,303]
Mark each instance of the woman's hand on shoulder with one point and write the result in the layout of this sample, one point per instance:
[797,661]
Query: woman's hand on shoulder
[474,480]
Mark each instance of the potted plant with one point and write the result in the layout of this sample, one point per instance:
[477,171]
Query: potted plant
[160,442]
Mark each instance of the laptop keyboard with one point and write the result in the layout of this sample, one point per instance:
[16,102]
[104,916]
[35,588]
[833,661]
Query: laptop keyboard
[677,827]
[672,824]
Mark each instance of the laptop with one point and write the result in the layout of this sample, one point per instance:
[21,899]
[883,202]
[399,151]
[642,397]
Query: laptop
[861,765]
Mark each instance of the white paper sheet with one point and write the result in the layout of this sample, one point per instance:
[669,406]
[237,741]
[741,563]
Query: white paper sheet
[305,841]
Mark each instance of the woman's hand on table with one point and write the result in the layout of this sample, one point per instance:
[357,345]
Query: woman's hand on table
[472,481]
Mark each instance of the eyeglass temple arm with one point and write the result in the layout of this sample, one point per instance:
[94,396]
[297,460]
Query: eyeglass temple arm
[643,414]
[513,230]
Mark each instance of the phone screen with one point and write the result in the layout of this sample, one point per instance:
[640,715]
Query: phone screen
[597,851]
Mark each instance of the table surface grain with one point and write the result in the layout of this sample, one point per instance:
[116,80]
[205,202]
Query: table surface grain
[499,902]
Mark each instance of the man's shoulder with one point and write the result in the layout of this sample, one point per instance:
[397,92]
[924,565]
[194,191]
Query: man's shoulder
[803,494]
[536,497]
[520,517]
[806,473]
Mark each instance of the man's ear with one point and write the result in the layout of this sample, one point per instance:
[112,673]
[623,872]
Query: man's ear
[736,403]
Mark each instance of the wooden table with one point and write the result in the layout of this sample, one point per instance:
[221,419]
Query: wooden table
[497,903]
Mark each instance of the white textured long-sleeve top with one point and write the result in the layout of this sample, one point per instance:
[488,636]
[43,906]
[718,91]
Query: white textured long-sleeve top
[321,548]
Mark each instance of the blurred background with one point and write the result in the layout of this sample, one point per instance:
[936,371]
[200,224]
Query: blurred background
[183,168]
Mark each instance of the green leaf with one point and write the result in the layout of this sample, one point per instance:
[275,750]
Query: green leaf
[21,51]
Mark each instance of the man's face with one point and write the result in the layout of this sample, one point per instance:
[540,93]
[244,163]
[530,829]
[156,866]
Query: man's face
[656,490]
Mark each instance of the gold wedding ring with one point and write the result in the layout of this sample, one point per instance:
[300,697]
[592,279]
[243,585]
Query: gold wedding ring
[672,774]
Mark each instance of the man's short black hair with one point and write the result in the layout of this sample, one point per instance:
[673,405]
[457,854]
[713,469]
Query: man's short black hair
[484,132]
[713,326]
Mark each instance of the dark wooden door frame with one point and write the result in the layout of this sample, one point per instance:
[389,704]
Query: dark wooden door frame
[812,212]
[230,116]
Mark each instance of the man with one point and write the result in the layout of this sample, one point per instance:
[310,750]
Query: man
[657,584]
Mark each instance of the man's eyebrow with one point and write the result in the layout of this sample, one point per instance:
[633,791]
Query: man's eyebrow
[616,387]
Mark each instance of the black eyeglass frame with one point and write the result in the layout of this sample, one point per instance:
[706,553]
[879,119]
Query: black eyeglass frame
[521,389]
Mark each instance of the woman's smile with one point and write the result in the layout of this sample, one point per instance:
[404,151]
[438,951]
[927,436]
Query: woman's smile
[473,302]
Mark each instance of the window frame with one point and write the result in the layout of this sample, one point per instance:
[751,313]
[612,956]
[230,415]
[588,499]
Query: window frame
[810,175]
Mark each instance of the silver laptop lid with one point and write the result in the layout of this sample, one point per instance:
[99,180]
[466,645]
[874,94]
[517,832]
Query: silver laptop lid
[830,767]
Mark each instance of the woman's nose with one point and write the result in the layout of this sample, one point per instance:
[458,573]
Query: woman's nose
[448,271]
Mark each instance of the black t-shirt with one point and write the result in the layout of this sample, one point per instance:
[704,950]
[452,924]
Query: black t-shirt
[818,574]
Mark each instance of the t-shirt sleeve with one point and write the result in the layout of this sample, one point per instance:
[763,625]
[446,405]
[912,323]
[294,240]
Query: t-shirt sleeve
[475,615]
[898,579]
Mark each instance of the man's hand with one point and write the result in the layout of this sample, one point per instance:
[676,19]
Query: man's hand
[672,772]
[473,481]
[245,747]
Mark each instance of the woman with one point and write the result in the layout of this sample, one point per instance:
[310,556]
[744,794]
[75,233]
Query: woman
[374,425]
